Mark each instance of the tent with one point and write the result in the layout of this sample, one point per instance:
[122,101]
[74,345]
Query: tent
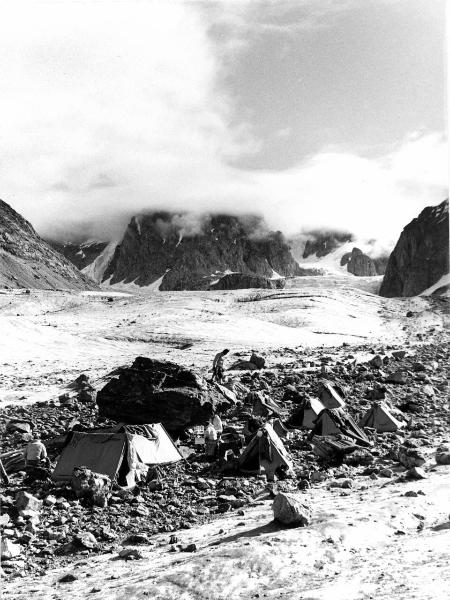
[280,429]
[263,406]
[307,413]
[380,418]
[265,450]
[335,421]
[121,453]
[331,396]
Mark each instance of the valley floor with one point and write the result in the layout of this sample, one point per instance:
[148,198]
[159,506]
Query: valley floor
[368,542]
[48,338]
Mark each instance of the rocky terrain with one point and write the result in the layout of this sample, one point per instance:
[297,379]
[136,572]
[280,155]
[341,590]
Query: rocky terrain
[197,516]
[27,261]
[421,255]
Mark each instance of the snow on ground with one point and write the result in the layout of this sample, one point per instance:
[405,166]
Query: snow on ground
[361,544]
[48,338]
[444,280]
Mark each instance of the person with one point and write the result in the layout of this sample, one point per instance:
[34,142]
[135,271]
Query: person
[217,423]
[218,365]
[3,474]
[35,453]
[210,440]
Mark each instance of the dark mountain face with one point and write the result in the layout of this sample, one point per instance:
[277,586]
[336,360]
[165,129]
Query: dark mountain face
[27,261]
[159,246]
[360,264]
[81,255]
[420,257]
[323,243]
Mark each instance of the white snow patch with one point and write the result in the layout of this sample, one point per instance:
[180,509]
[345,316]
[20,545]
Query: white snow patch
[97,268]
[444,280]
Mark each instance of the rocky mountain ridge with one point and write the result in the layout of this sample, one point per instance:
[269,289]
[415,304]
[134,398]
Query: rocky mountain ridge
[421,255]
[181,251]
[27,261]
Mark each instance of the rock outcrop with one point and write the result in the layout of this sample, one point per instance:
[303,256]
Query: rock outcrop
[359,264]
[323,243]
[153,391]
[81,255]
[238,281]
[421,256]
[27,261]
[183,252]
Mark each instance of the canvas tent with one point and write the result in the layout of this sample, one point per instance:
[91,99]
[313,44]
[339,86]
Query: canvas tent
[263,406]
[380,418]
[307,413]
[337,422]
[331,396]
[121,453]
[265,450]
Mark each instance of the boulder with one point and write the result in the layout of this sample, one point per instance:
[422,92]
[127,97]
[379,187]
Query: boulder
[398,376]
[92,486]
[291,509]
[258,360]
[154,391]
[443,455]
[410,457]
[25,502]
[10,550]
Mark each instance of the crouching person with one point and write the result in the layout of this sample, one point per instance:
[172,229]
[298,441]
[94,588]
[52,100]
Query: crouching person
[35,454]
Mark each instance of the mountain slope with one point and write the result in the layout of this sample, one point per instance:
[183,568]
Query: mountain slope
[27,261]
[420,257]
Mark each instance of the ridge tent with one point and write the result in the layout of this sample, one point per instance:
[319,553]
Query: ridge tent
[380,418]
[307,413]
[336,421]
[264,407]
[330,396]
[279,428]
[123,453]
[266,450]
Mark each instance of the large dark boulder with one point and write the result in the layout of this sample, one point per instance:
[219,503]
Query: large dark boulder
[153,391]
[420,257]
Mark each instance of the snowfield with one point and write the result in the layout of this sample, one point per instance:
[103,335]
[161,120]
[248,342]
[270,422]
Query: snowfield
[48,338]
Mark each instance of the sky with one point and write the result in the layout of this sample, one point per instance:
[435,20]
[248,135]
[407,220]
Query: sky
[314,113]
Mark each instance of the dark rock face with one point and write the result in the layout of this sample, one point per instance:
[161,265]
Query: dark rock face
[153,391]
[27,261]
[359,264]
[324,243]
[188,254]
[238,281]
[420,257]
[81,255]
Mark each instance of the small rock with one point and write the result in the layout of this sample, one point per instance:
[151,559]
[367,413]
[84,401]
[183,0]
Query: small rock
[68,578]
[130,554]
[417,473]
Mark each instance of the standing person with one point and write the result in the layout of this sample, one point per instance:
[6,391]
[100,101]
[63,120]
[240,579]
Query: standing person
[218,425]
[3,474]
[218,365]
[211,440]
[35,453]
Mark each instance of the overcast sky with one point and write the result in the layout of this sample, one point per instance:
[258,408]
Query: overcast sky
[318,113]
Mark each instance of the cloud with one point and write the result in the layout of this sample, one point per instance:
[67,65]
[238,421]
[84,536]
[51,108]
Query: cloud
[108,111]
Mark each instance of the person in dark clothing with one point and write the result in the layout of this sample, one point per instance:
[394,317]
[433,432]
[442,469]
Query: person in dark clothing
[218,365]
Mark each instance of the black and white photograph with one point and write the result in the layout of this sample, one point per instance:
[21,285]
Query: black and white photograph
[224,300]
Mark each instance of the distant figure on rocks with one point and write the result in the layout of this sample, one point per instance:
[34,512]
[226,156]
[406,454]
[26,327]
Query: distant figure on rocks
[3,474]
[35,453]
[217,423]
[218,365]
